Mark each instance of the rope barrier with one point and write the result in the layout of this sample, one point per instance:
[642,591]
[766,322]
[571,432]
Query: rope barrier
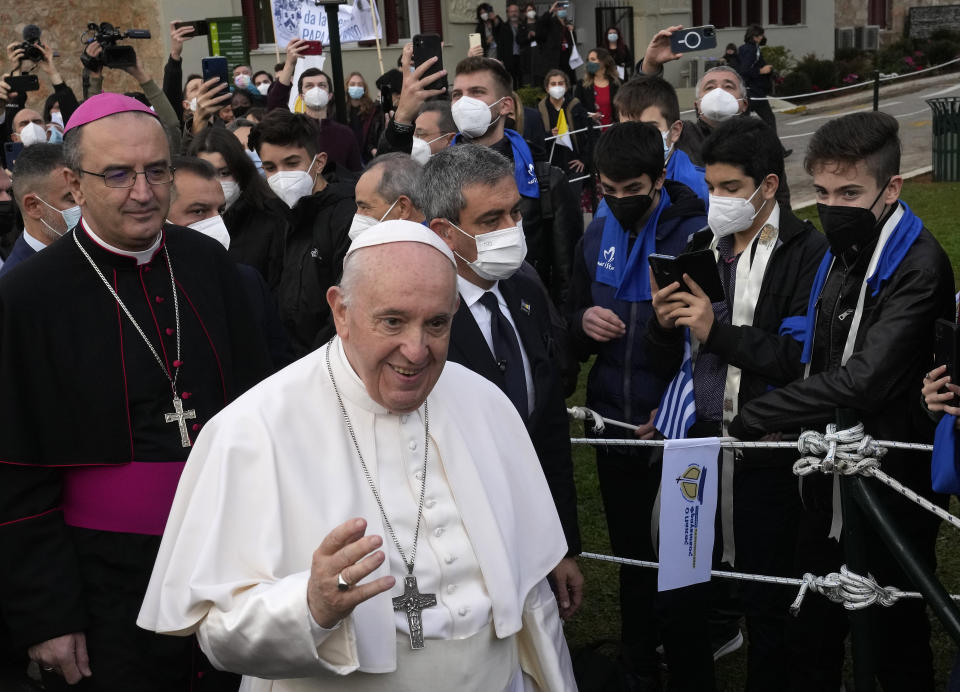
[844,452]
[853,590]
[888,78]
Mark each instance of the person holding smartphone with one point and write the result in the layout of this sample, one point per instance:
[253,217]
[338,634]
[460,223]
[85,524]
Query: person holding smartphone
[766,259]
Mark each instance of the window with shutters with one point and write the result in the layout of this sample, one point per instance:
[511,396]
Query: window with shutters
[741,13]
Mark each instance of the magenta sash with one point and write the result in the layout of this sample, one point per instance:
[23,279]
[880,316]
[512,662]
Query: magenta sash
[129,498]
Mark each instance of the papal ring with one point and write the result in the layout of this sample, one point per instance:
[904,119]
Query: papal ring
[49,669]
[342,583]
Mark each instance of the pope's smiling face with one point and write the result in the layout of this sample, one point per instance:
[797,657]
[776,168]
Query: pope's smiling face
[393,312]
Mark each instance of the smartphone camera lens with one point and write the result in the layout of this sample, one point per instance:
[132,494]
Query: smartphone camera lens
[708,32]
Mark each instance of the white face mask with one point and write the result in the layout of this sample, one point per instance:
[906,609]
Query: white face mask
[557,92]
[32,133]
[316,97]
[213,228]
[484,16]
[421,151]
[71,217]
[290,186]
[499,253]
[362,222]
[193,104]
[728,215]
[472,116]
[531,14]
[719,105]
[56,117]
[231,190]
[263,88]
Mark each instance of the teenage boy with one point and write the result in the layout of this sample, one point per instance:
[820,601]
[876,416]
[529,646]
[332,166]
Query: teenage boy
[608,311]
[766,259]
[868,340]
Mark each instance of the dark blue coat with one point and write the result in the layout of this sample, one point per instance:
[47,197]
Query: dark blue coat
[622,384]
[20,251]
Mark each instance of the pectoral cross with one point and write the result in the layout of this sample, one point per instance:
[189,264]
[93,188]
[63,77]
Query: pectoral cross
[180,417]
[413,602]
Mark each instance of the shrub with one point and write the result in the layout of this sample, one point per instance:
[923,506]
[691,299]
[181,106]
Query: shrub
[531,95]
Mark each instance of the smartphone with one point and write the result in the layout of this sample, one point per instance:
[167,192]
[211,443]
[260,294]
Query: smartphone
[312,48]
[701,266]
[946,348]
[201,27]
[22,83]
[215,68]
[11,150]
[426,46]
[474,40]
[694,38]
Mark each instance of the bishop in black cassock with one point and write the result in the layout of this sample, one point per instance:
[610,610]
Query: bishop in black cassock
[96,424]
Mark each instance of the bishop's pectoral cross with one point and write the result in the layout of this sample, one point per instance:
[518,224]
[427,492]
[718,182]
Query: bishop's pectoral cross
[413,602]
[180,417]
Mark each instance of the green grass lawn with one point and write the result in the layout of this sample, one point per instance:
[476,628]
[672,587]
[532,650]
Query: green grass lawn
[938,204]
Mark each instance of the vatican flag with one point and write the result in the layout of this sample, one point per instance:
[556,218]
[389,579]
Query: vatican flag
[563,138]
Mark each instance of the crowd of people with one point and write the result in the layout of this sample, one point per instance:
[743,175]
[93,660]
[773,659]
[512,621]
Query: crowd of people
[256,352]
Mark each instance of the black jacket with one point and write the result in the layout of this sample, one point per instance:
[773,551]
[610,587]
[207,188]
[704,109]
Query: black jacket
[766,359]
[881,380]
[585,94]
[312,261]
[256,236]
[554,46]
[548,424]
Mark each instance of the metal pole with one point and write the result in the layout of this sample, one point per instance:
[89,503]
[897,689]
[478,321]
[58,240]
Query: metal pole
[933,592]
[333,25]
[855,555]
[876,90]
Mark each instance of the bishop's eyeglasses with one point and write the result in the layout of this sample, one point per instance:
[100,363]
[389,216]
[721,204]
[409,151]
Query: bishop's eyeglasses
[158,174]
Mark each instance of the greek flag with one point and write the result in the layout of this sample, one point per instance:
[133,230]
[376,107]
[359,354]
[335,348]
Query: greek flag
[678,410]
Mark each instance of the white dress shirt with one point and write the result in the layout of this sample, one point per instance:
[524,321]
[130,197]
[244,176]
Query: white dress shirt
[471,294]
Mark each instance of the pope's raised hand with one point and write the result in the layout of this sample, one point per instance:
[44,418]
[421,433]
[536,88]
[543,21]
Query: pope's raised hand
[347,553]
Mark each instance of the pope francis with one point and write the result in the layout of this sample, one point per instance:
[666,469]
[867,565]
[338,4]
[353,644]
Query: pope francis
[372,517]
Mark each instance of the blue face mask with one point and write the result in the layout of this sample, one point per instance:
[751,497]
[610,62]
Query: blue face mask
[54,136]
[356,92]
[562,14]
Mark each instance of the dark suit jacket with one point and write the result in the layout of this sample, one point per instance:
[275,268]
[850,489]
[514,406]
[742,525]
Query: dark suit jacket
[19,252]
[547,424]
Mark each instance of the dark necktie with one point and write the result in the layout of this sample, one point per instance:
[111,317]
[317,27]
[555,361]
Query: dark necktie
[506,349]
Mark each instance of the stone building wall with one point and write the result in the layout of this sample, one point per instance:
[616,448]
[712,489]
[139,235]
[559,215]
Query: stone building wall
[62,22]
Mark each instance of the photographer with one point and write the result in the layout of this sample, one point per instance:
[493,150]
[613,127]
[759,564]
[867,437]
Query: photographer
[151,90]
[15,102]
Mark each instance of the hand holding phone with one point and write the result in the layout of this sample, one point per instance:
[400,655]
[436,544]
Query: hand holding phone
[201,27]
[426,46]
[215,68]
[693,39]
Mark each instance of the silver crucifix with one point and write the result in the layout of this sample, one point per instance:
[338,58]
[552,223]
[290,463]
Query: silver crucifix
[180,417]
[413,602]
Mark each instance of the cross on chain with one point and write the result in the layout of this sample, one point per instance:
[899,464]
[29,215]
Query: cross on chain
[413,602]
[180,417]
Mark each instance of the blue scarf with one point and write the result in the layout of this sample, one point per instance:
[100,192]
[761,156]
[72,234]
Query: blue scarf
[681,169]
[629,275]
[523,171]
[898,244]
[945,465]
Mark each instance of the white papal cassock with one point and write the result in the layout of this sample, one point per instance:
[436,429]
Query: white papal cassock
[276,471]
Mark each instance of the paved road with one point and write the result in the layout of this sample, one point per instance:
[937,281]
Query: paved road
[904,102]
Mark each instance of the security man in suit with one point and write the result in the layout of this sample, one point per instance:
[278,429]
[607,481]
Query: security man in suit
[502,329]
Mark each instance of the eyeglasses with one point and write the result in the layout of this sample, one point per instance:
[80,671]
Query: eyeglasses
[127,177]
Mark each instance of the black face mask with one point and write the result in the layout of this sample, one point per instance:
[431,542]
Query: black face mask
[8,217]
[763,41]
[629,210]
[847,227]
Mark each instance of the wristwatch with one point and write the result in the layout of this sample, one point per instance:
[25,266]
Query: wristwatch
[402,128]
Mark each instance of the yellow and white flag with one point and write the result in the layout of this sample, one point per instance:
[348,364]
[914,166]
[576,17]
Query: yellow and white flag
[563,138]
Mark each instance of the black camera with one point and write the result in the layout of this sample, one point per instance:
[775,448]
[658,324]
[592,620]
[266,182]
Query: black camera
[31,43]
[115,56]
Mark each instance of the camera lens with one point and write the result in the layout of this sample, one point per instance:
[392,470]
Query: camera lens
[708,31]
